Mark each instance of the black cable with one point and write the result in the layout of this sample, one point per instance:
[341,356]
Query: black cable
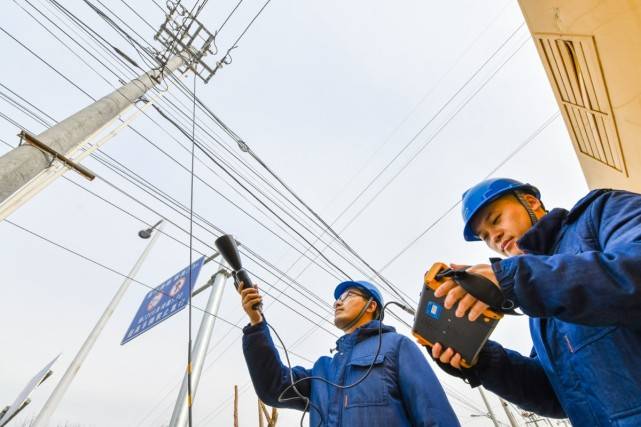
[322,379]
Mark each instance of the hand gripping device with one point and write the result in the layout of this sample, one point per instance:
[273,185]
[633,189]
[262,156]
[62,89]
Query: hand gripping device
[434,323]
[226,245]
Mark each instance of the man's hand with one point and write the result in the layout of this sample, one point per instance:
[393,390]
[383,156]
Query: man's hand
[447,357]
[456,293]
[251,297]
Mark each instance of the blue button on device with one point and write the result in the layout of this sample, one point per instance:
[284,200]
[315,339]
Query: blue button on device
[434,310]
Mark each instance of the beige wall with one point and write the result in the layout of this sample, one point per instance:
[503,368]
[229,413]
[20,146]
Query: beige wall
[600,96]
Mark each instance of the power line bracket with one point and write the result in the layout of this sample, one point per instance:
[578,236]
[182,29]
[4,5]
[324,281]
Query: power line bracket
[32,140]
[182,32]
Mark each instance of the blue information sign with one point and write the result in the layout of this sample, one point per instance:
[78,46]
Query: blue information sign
[164,301]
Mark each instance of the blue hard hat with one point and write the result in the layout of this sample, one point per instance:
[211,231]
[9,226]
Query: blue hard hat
[369,288]
[485,192]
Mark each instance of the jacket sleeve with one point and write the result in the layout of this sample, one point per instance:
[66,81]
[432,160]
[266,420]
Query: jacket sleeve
[421,393]
[268,374]
[518,379]
[596,288]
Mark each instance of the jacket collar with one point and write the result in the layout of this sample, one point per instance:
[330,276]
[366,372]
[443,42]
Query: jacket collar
[367,330]
[542,237]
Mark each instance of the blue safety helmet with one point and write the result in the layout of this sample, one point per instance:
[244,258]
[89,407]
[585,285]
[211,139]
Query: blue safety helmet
[485,192]
[367,287]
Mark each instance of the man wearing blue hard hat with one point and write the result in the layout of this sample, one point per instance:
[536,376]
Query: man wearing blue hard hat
[375,377]
[577,275]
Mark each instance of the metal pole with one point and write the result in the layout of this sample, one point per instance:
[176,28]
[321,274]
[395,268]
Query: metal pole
[22,168]
[510,416]
[199,351]
[22,406]
[61,388]
[489,408]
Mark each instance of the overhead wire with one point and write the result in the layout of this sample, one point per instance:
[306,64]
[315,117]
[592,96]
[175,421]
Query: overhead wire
[226,59]
[407,145]
[205,182]
[487,61]
[191,244]
[412,111]
[115,271]
[256,274]
[129,39]
[514,152]
[430,121]
[465,103]
[324,224]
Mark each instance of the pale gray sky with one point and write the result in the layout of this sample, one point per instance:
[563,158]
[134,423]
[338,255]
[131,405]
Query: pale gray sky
[326,93]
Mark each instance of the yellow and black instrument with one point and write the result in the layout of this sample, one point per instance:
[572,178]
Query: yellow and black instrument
[433,323]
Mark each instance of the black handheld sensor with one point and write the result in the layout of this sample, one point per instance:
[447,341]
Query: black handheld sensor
[228,248]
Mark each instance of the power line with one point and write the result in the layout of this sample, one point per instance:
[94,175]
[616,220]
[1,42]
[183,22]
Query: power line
[521,146]
[211,247]
[114,271]
[434,135]
[226,59]
[442,108]
[488,60]
[351,250]
[207,184]
[130,40]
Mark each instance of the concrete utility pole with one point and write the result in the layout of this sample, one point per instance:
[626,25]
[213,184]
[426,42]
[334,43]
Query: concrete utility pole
[489,408]
[24,164]
[61,388]
[179,417]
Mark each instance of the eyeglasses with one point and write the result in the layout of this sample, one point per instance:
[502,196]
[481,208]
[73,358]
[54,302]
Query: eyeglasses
[348,294]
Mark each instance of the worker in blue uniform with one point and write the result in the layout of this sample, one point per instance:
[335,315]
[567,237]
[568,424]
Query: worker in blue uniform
[577,275]
[400,389]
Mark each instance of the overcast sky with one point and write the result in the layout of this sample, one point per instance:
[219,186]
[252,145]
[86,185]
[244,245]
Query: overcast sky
[327,94]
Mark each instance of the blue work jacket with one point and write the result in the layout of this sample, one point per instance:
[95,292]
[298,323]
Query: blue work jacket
[580,283]
[401,389]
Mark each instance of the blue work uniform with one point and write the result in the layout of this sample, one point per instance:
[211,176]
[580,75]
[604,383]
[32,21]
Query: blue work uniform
[401,389]
[580,282]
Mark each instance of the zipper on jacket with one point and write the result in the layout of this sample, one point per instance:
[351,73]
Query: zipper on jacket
[346,400]
[567,341]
